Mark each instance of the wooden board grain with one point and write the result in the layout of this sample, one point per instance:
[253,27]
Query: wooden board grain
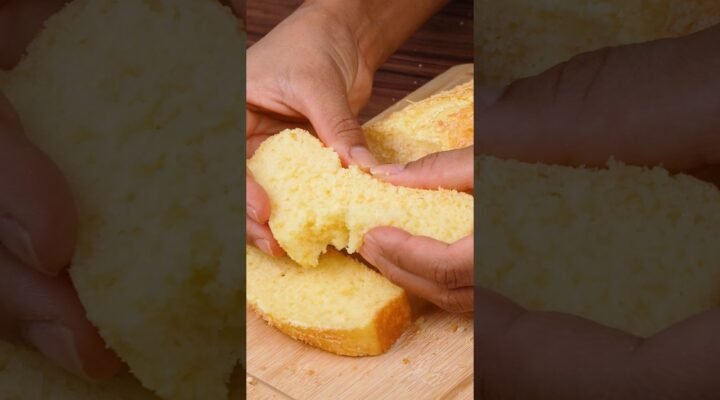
[432,360]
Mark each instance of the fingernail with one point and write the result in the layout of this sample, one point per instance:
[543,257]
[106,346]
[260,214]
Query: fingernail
[387,169]
[362,157]
[17,240]
[57,343]
[487,96]
[264,245]
[253,213]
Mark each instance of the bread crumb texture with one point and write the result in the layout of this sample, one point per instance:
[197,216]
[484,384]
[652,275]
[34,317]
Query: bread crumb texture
[27,375]
[139,103]
[519,38]
[439,123]
[317,202]
[341,305]
[632,248]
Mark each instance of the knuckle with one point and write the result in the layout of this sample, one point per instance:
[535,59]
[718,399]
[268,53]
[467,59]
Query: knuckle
[428,165]
[449,302]
[444,275]
[346,129]
[574,80]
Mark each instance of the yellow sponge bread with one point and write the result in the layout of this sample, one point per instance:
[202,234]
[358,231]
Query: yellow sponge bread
[316,202]
[439,123]
[519,38]
[632,248]
[139,103]
[26,375]
[340,306]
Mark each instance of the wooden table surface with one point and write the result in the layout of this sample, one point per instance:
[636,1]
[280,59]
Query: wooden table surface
[444,41]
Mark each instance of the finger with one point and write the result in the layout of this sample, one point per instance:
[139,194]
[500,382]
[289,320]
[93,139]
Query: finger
[449,169]
[330,114]
[38,220]
[458,300]
[46,313]
[542,355]
[645,104]
[447,265]
[261,236]
[258,202]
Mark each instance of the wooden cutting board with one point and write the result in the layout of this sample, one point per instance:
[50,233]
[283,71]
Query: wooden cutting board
[432,360]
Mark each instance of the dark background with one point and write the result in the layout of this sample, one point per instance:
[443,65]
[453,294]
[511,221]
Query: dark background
[444,41]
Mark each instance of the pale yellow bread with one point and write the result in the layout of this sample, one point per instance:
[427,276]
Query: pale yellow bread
[340,306]
[519,38]
[439,123]
[27,375]
[316,202]
[140,105]
[631,248]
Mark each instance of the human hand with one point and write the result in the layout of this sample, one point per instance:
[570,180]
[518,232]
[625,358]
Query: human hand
[439,272]
[308,71]
[38,223]
[315,70]
[645,104]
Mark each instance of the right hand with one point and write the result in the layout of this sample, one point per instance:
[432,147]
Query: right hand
[309,71]
[643,104]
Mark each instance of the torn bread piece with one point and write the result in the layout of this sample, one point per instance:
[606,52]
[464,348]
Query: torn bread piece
[633,248]
[316,202]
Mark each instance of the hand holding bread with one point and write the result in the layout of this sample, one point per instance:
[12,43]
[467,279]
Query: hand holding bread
[645,104]
[437,271]
[38,227]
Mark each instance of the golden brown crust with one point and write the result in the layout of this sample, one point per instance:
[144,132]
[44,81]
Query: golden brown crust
[441,122]
[389,323]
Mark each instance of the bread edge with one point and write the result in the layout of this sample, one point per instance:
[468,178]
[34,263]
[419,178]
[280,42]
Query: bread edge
[388,325]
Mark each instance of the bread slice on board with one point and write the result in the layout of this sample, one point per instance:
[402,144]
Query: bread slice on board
[341,305]
[441,122]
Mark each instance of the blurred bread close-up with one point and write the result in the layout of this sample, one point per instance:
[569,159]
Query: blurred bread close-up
[330,300]
[519,38]
[138,103]
[634,248]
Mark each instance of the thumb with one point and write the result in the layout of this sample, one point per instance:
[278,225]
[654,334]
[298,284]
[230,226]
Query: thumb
[330,114]
[645,104]
[38,219]
[448,169]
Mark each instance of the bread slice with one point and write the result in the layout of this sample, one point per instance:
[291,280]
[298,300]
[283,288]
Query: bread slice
[439,123]
[26,375]
[632,248]
[316,202]
[519,38]
[340,306]
[139,103]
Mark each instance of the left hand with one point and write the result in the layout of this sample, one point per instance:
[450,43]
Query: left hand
[439,272]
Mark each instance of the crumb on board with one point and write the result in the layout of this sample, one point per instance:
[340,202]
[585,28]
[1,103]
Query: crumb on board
[454,327]
[311,372]
[420,321]
[406,361]
[251,381]
[460,329]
